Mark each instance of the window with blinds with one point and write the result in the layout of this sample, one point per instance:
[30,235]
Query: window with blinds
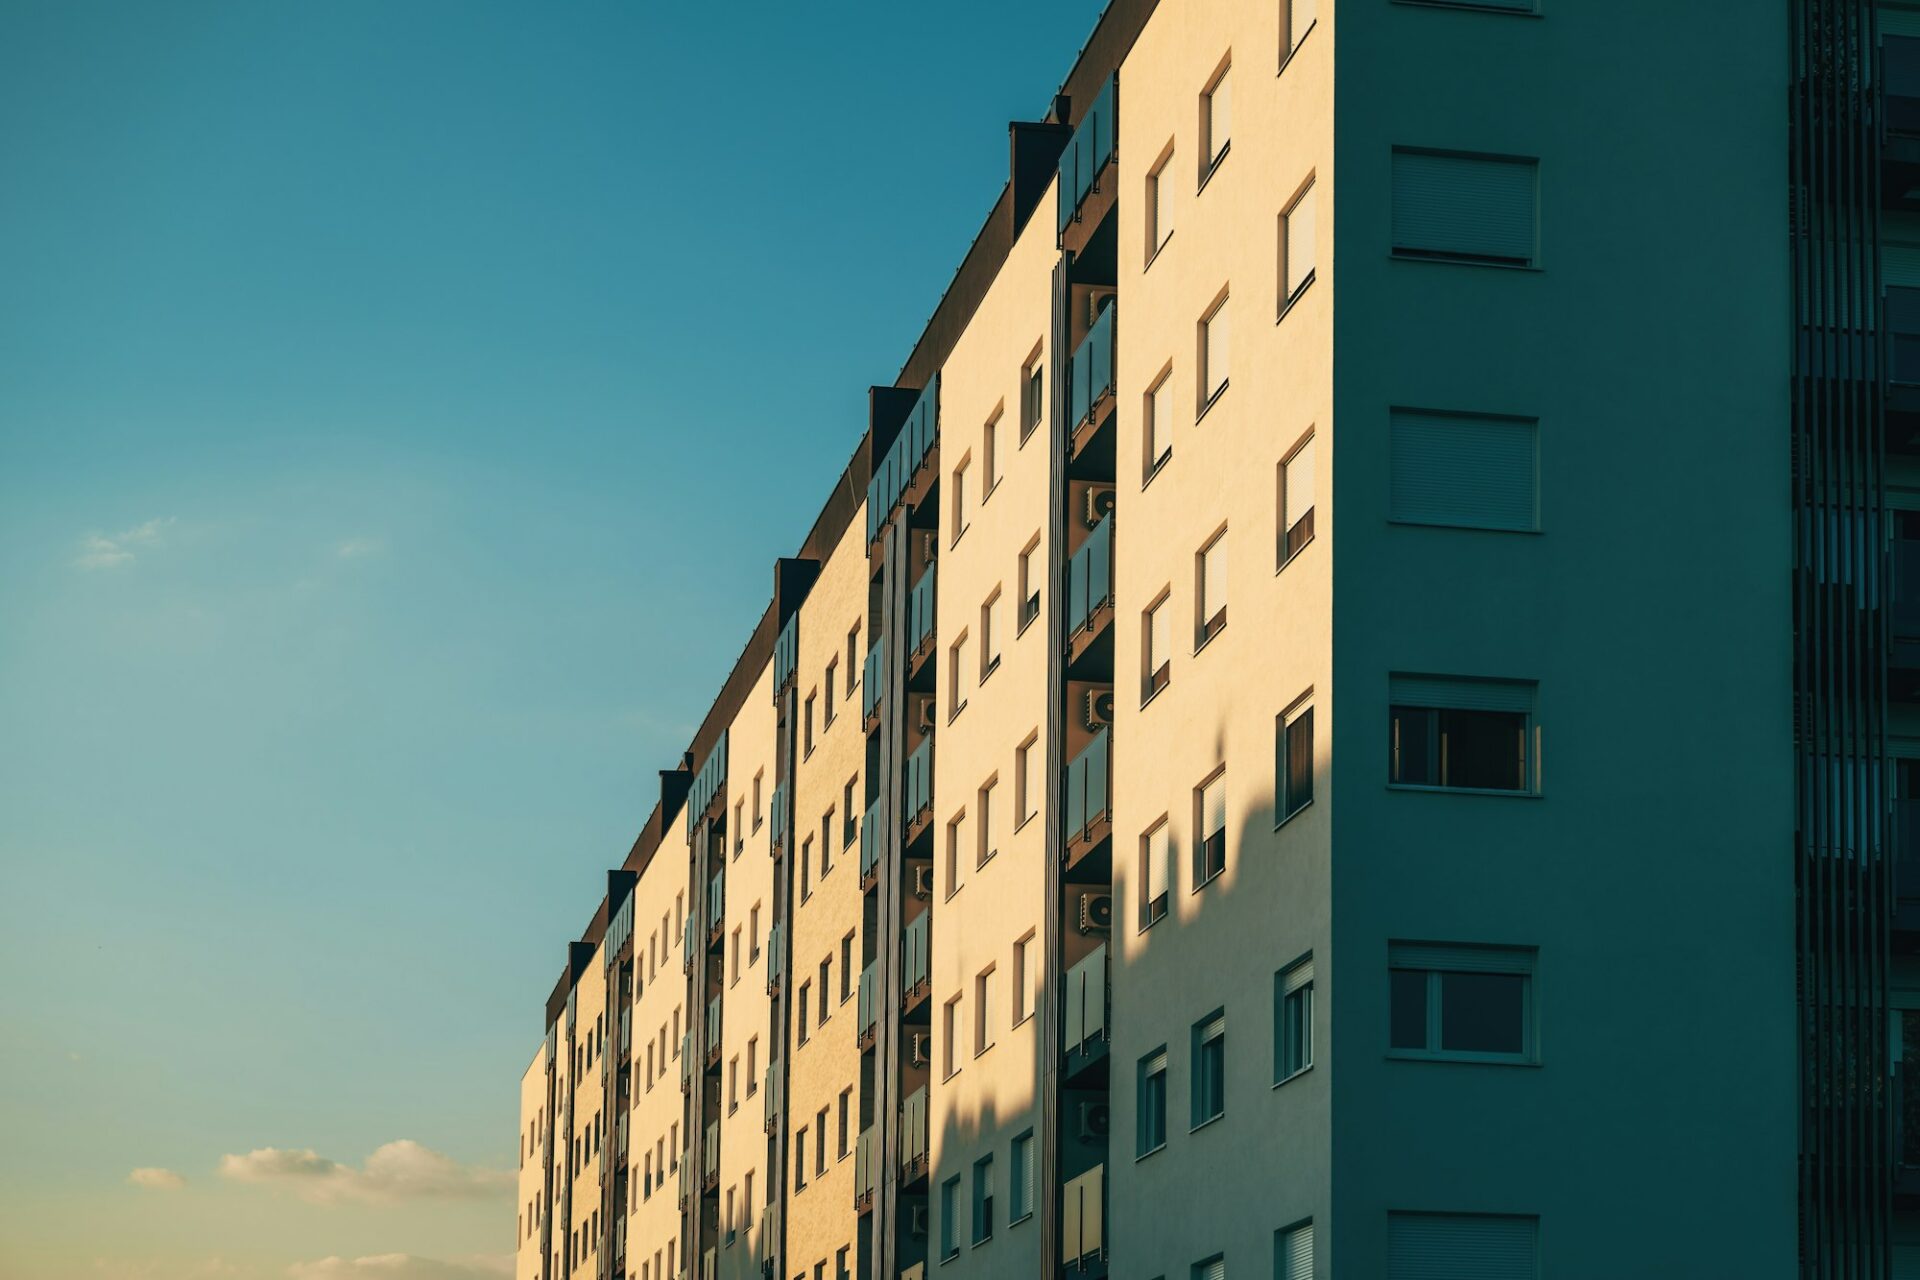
[1293,759]
[1461,207]
[1210,1068]
[1213,353]
[1150,1100]
[1157,647]
[1461,1001]
[1216,119]
[1296,500]
[1210,822]
[1464,471]
[1158,426]
[1293,1020]
[1461,732]
[1210,590]
[1462,1246]
[1021,1177]
[949,1209]
[1300,16]
[1293,1253]
[1156,853]
[1296,246]
[1214,1268]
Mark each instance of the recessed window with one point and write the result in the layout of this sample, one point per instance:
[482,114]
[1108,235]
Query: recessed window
[983,1011]
[1296,500]
[950,1038]
[853,660]
[1296,19]
[1156,646]
[1214,1268]
[1159,202]
[1293,1252]
[1464,471]
[1156,427]
[959,485]
[949,1210]
[1461,207]
[989,802]
[1453,1001]
[1429,1246]
[846,968]
[956,841]
[1030,574]
[956,676]
[844,1126]
[1210,590]
[1469,734]
[850,821]
[1150,1094]
[806,1003]
[833,672]
[1026,778]
[990,456]
[1025,972]
[1293,1020]
[990,635]
[1020,1177]
[1293,759]
[1213,352]
[1033,394]
[1216,119]
[1296,246]
[1156,860]
[807,736]
[826,843]
[1209,1068]
[1210,820]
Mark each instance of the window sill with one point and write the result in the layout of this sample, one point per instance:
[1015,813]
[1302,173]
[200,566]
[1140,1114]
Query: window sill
[1464,528]
[1152,921]
[991,668]
[1466,1059]
[1213,166]
[1208,639]
[1149,1152]
[1446,261]
[1210,1120]
[955,713]
[1155,693]
[1296,813]
[1289,1079]
[1288,60]
[1154,256]
[1025,623]
[1021,825]
[1463,791]
[1206,406]
[1025,1217]
[981,1053]
[991,855]
[1468,5]
[959,533]
[1159,465]
[1294,297]
[993,487]
[1297,553]
[1208,879]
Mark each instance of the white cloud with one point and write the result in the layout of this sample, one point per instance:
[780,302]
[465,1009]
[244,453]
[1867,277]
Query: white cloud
[401,1266]
[157,1179]
[402,1170]
[100,551]
[354,548]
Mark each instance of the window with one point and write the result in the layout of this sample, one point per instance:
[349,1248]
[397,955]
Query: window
[1210,590]
[1209,1068]
[849,820]
[1216,120]
[956,667]
[983,1199]
[840,1270]
[1020,1177]
[1156,857]
[826,985]
[1157,423]
[800,1165]
[990,635]
[1213,353]
[736,953]
[1033,399]
[1460,207]
[1029,582]
[826,843]
[753,1065]
[989,829]
[819,1144]
[759,811]
[1296,19]
[960,497]
[949,1208]
[1156,646]
[990,456]
[949,1037]
[1025,971]
[1464,471]
[1159,202]
[846,968]
[1293,760]
[806,868]
[739,827]
[1461,1002]
[753,935]
[853,659]
[1026,777]
[1451,732]
[1296,500]
[844,1128]
[1296,247]
[1429,1246]
[811,699]
[833,672]
[956,841]
[1214,1268]
[1150,1092]
[1293,1020]
[982,1011]
[806,990]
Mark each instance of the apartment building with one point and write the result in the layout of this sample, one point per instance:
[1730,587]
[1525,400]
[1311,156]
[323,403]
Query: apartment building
[1077,876]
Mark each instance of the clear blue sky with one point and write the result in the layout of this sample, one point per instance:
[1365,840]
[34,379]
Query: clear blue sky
[401,407]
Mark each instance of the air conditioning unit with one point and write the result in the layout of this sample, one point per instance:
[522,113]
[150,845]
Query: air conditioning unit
[1099,504]
[919,1049]
[917,1219]
[1098,710]
[1094,1121]
[1096,912]
[923,715]
[923,881]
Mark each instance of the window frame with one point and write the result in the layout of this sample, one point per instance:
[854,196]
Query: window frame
[1291,988]
[1204,872]
[1505,960]
[1288,294]
[1205,1034]
[1150,1108]
[1207,393]
[1155,193]
[1207,625]
[1213,152]
[1285,803]
[1155,908]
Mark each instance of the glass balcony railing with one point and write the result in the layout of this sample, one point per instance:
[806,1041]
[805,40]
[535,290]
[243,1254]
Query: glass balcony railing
[871,679]
[710,1152]
[870,841]
[895,472]
[1092,368]
[863,1170]
[920,612]
[771,1091]
[786,655]
[1090,577]
[915,947]
[869,1013]
[717,900]
[776,949]
[1087,153]
[1087,788]
[713,1025]
[1085,1001]
[1083,1216]
[778,835]
[691,941]
[919,780]
[707,783]
[913,1130]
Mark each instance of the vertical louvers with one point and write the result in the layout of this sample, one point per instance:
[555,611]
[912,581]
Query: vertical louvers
[1840,644]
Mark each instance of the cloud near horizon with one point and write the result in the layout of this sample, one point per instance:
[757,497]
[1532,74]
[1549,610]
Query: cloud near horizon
[157,1179]
[401,1266]
[99,551]
[396,1172]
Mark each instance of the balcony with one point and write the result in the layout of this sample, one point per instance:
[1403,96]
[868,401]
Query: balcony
[920,628]
[915,948]
[1090,383]
[776,964]
[685,1171]
[1085,1005]
[716,908]
[863,1172]
[770,1090]
[872,682]
[709,785]
[898,471]
[710,1159]
[786,657]
[1090,589]
[690,944]
[866,1025]
[1083,173]
[713,1032]
[686,1062]
[918,806]
[913,1137]
[1083,1219]
[871,844]
[1089,820]
[777,836]
[766,1235]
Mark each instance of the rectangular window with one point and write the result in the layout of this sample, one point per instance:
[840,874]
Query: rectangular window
[989,457]
[806,868]
[1469,1002]
[1026,775]
[753,935]
[1156,646]
[759,810]
[1297,246]
[1159,202]
[983,1011]
[805,1027]
[1210,821]
[826,843]
[1150,1092]
[956,841]
[819,1144]
[950,1037]
[853,659]
[733,1084]
[1216,120]
[1458,207]
[753,1065]
[846,968]
[833,671]
[960,497]
[956,682]
[983,1199]
[1431,1246]
[1297,18]
[826,985]
[808,721]
[990,635]
[1464,471]
[1209,1068]
[850,818]
[800,1165]
[1296,500]
[989,828]
[1157,423]
[1020,1177]
[1156,857]
[1447,731]
[1210,590]
[845,1126]
[1293,1020]
[739,827]
[1213,353]
[1214,1268]
[949,1209]
[1025,971]
[1293,758]
[1029,582]
[1033,398]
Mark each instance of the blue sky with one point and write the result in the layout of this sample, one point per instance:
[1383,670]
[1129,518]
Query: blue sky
[401,407]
